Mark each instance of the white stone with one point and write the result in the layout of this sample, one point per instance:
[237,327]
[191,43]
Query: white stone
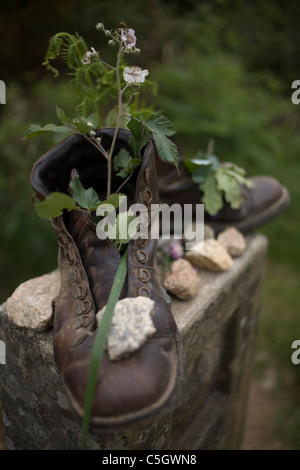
[30,305]
[209,254]
[130,327]
[233,240]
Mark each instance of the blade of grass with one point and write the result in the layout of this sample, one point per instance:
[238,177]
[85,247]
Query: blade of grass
[99,346]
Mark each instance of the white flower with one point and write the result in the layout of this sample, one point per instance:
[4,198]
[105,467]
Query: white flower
[89,55]
[128,36]
[135,75]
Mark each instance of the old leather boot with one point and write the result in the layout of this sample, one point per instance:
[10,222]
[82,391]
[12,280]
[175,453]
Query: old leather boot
[263,202]
[150,381]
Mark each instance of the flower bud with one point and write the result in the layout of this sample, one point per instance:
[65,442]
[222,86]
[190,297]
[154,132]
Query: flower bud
[111,42]
[100,26]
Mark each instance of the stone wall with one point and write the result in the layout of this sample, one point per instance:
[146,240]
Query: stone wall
[218,327]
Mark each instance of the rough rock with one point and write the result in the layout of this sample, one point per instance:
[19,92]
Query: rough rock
[210,255]
[182,280]
[130,327]
[208,232]
[233,240]
[30,305]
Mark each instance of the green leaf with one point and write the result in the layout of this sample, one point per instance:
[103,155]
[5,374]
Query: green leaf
[201,173]
[54,204]
[239,178]
[193,164]
[124,164]
[212,196]
[137,139]
[125,227]
[231,188]
[36,129]
[93,120]
[99,346]
[113,200]
[81,125]
[86,198]
[234,168]
[166,149]
[112,118]
[162,129]
[62,117]
[159,124]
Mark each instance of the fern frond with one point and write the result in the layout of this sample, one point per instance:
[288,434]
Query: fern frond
[71,48]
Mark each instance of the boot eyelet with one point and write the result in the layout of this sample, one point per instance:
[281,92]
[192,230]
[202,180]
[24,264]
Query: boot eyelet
[144,275]
[56,227]
[79,292]
[84,307]
[62,240]
[70,257]
[75,276]
[145,220]
[141,256]
[85,321]
[144,292]
[146,196]
[142,242]
[82,322]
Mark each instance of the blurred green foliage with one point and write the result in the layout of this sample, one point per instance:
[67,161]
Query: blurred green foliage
[224,70]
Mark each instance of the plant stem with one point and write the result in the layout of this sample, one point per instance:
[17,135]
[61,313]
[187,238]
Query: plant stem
[98,146]
[109,160]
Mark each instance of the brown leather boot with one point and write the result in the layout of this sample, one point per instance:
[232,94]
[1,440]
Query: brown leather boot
[263,202]
[150,381]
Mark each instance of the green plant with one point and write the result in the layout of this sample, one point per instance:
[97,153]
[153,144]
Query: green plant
[94,80]
[218,182]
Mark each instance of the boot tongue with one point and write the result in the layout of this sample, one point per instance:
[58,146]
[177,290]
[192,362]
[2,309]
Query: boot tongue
[99,258]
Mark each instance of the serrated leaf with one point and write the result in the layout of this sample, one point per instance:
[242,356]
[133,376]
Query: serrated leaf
[35,130]
[62,117]
[54,204]
[231,188]
[86,198]
[159,124]
[234,168]
[239,178]
[166,149]
[212,196]
[81,125]
[124,164]
[137,139]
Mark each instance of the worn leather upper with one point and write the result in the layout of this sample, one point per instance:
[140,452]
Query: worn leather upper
[261,202]
[151,378]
